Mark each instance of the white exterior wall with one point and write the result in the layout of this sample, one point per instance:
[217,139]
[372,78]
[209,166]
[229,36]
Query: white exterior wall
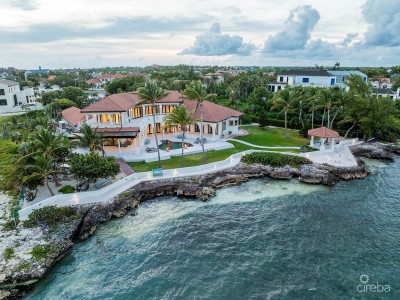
[323,81]
[9,92]
[233,128]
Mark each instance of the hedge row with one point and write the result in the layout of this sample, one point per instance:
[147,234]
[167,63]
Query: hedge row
[274,159]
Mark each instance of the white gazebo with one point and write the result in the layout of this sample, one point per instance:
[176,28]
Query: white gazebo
[325,134]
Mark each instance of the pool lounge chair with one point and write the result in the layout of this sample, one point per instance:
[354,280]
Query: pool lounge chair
[151,149]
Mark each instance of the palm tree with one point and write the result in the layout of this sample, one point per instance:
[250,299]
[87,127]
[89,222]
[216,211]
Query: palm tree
[198,92]
[40,169]
[282,100]
[151,93]
[325,97]
[313,99]
[91,139]
[180,116]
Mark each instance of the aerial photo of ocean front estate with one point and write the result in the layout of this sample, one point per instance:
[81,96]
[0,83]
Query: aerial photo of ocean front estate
[152,152]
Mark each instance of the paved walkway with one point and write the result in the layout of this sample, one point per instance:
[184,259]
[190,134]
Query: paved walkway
[263,147]
[109,192]
[124,167]
[341,158]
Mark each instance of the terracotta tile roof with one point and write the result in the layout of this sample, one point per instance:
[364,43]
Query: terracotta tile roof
[93,80]
[212,112]
[110,76]
[171,97]
[73,115]
[323,132]
[114,103]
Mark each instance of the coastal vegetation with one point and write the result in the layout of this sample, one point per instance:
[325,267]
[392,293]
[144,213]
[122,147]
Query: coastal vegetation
[274,159]
[50,216]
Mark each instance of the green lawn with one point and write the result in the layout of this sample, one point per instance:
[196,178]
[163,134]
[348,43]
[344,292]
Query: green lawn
[272,137]
[195,159]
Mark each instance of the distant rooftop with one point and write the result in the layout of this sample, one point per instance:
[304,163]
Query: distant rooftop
[8,82]
[346,73]
[306,73]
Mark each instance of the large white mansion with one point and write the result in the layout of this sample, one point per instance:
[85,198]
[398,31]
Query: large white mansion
[126,123]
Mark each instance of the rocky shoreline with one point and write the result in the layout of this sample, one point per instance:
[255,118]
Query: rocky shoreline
[18,274]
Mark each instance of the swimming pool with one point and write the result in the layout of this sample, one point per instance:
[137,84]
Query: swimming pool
[170,145]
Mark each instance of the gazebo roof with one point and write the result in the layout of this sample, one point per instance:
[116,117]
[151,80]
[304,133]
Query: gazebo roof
[323,132]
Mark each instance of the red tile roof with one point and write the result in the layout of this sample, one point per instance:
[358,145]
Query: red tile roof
[110,76]
[93,80]
[73,115]
[323,132]
[212,112]
[114,103]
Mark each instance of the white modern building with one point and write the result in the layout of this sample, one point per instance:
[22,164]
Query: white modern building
[99,82]
[12,96]
[316,78]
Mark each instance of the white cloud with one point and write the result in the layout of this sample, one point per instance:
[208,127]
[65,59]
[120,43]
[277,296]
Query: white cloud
[214,43]
[55,33]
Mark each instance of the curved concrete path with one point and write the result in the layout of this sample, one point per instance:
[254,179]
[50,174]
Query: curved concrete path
[264,147]
[109,192]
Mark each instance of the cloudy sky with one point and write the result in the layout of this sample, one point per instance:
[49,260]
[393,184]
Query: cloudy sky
[96,33]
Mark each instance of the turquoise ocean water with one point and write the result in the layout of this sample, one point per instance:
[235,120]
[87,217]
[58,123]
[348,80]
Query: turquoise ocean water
[266,239]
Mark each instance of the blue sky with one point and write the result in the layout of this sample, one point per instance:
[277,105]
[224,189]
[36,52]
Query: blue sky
[96,33]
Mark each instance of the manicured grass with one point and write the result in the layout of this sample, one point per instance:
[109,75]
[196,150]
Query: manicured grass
[272,137]
[196,159]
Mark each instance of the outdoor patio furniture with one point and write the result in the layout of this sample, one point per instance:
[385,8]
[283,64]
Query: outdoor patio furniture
[197,140]
[179,136]
[157,172]
[147,141]
[151,149]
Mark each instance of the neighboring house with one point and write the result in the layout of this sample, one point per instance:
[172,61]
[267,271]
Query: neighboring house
[343,76]
[71,119]
[43,89]
[385,93]
[39,71]
[99,82]
[233,72]
[125,122]
[217,77]
[11,95]
[6,75]
[316,78]
[382,83]
[268,74]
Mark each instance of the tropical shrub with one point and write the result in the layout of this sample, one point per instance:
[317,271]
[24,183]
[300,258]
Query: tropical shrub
[67,189]
[50,216]
[41,251]
[8,253]
[274,159]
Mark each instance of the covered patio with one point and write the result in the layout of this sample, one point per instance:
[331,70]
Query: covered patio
[327,138]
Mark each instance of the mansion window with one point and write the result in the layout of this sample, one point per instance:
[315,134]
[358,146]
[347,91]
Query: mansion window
[136,112]
[223,125]
[149,110]
[2,93]
[3,102]
[166,109]
[230,123]
[196,128]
